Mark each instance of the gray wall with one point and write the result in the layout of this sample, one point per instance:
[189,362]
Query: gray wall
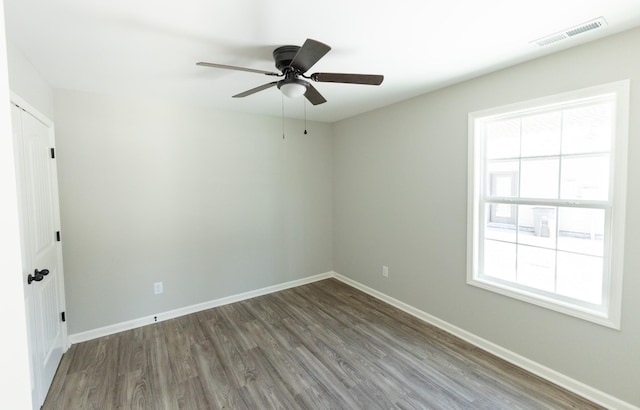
[400,198]
[210,203]
[27,83]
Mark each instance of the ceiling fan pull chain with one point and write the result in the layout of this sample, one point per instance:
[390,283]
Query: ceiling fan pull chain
[282,98]
[304,103]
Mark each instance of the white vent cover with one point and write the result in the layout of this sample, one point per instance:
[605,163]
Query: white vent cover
[573,31]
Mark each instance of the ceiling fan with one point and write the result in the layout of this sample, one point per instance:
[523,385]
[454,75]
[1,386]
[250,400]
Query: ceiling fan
[293,62]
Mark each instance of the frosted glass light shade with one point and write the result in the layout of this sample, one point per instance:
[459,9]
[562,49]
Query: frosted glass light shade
[293,90]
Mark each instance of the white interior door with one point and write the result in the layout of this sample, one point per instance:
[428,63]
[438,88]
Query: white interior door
[42,257]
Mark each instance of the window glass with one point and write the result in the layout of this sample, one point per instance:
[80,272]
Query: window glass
[585,178]
[587,129]
[500,260]
[539,178]
[502,178]
[536,268]
[503,139]
[500,222]
[580,277]
[581,231]
[537,226]
[541,134]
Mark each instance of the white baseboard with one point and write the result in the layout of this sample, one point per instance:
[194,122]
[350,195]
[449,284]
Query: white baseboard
[551,375]
[546,373]
[147,320]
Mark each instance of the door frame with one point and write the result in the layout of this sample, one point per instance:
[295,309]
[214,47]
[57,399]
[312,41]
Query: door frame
[27,257]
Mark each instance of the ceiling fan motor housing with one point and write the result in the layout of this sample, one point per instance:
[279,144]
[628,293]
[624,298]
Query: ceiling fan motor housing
[283,57]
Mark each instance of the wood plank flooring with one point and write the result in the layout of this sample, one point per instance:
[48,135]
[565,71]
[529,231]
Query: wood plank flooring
[324,345]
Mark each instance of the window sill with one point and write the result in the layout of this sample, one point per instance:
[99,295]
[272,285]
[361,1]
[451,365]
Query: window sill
[581,312]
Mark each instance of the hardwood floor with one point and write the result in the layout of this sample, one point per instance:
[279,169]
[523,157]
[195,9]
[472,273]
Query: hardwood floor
[318,346]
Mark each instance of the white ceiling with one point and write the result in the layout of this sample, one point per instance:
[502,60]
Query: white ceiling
[149,48]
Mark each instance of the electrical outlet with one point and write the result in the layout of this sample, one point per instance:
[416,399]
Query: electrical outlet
[157,288]
[385,271]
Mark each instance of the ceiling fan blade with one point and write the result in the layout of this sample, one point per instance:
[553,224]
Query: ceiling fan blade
[309,54]
[255,90]
[314,96]
[370,79]
[233,67]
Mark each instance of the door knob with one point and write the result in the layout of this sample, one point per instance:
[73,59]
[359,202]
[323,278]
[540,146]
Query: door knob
[36,278]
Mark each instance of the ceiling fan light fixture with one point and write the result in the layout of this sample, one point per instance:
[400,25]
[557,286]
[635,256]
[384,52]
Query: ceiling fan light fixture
[293,62]
[293,88]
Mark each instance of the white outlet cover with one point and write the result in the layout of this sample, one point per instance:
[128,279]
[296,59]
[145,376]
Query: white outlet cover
[385,271]
[157,288]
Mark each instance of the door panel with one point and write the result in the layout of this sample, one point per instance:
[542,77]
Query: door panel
[50,335]
[44,299]
[16,122]
[37,160]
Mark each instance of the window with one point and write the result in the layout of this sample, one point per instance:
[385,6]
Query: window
[547,192]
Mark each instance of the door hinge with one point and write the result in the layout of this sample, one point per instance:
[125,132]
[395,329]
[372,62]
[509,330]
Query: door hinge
[58,236]
[64,317]
[53,153]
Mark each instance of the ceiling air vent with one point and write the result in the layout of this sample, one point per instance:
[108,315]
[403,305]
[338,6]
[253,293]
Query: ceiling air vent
[573,31]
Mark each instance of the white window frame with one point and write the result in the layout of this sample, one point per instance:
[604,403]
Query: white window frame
[608,313]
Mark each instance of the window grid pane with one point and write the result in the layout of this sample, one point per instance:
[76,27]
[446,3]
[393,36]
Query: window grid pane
[530,230]
[528,157]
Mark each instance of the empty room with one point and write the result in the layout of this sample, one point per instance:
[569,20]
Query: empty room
[263,204]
